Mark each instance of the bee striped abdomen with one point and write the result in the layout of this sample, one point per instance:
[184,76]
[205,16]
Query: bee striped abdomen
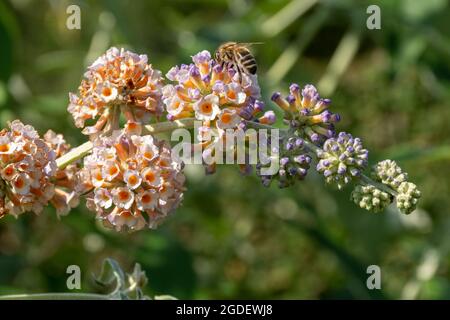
[247,61]
[236,56]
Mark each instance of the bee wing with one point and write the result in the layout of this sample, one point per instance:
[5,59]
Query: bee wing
[249,44]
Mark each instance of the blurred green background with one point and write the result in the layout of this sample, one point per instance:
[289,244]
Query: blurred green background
[232,238]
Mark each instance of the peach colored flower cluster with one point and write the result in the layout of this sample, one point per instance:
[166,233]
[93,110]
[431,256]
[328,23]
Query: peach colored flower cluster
[219,97]
[27,166]
[118,82]
[133,181]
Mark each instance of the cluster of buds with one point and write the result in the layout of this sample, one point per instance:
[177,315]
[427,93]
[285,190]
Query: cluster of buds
[342,159]
[388,172]
[132,181]
[221,98]
[307,113]
[118,82]
[27,167]
[371,198]
[293,161]
[407,197]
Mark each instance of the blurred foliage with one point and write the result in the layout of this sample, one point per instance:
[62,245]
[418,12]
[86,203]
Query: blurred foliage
[232,238]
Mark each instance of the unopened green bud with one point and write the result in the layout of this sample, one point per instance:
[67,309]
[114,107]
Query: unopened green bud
[408,197]
[389,173]
[371,198]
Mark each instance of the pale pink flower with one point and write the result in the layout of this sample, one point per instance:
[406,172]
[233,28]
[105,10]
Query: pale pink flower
[207,108]
[123,197]
[110,170]
[103,198]
[119,219]
[132,179]
[151,177]
[228,119]
[147,200]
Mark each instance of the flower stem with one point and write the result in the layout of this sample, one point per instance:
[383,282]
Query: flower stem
[378,185]
[169,125]
[56,296]
[84,149]
[74,155]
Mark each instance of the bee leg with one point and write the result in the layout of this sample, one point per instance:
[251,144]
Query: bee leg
[240,72]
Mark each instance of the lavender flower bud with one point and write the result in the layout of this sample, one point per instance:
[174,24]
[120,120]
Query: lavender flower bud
[342,159]
[259,106]
[294,88]
[275,96]
[294,163]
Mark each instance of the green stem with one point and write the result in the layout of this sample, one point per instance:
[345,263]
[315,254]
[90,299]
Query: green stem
[84,149]
[378,185]
[56,296]
[74,155]
[169,126]
[258,125]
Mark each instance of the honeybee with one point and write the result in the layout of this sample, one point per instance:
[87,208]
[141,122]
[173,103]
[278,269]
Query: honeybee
[237,56]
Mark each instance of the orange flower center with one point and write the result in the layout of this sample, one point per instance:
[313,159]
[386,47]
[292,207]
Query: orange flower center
[146,198]
[126,214]
[9,171]
[132,126]
[19,183]
[123,195]
[150,176]
[226,118]
[113,170]
[106,92]
[231,94]
[4,147]
[206,108]
[148,154]
[132,179]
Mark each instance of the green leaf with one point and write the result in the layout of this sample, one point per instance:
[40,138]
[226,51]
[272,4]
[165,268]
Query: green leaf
[110,273]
